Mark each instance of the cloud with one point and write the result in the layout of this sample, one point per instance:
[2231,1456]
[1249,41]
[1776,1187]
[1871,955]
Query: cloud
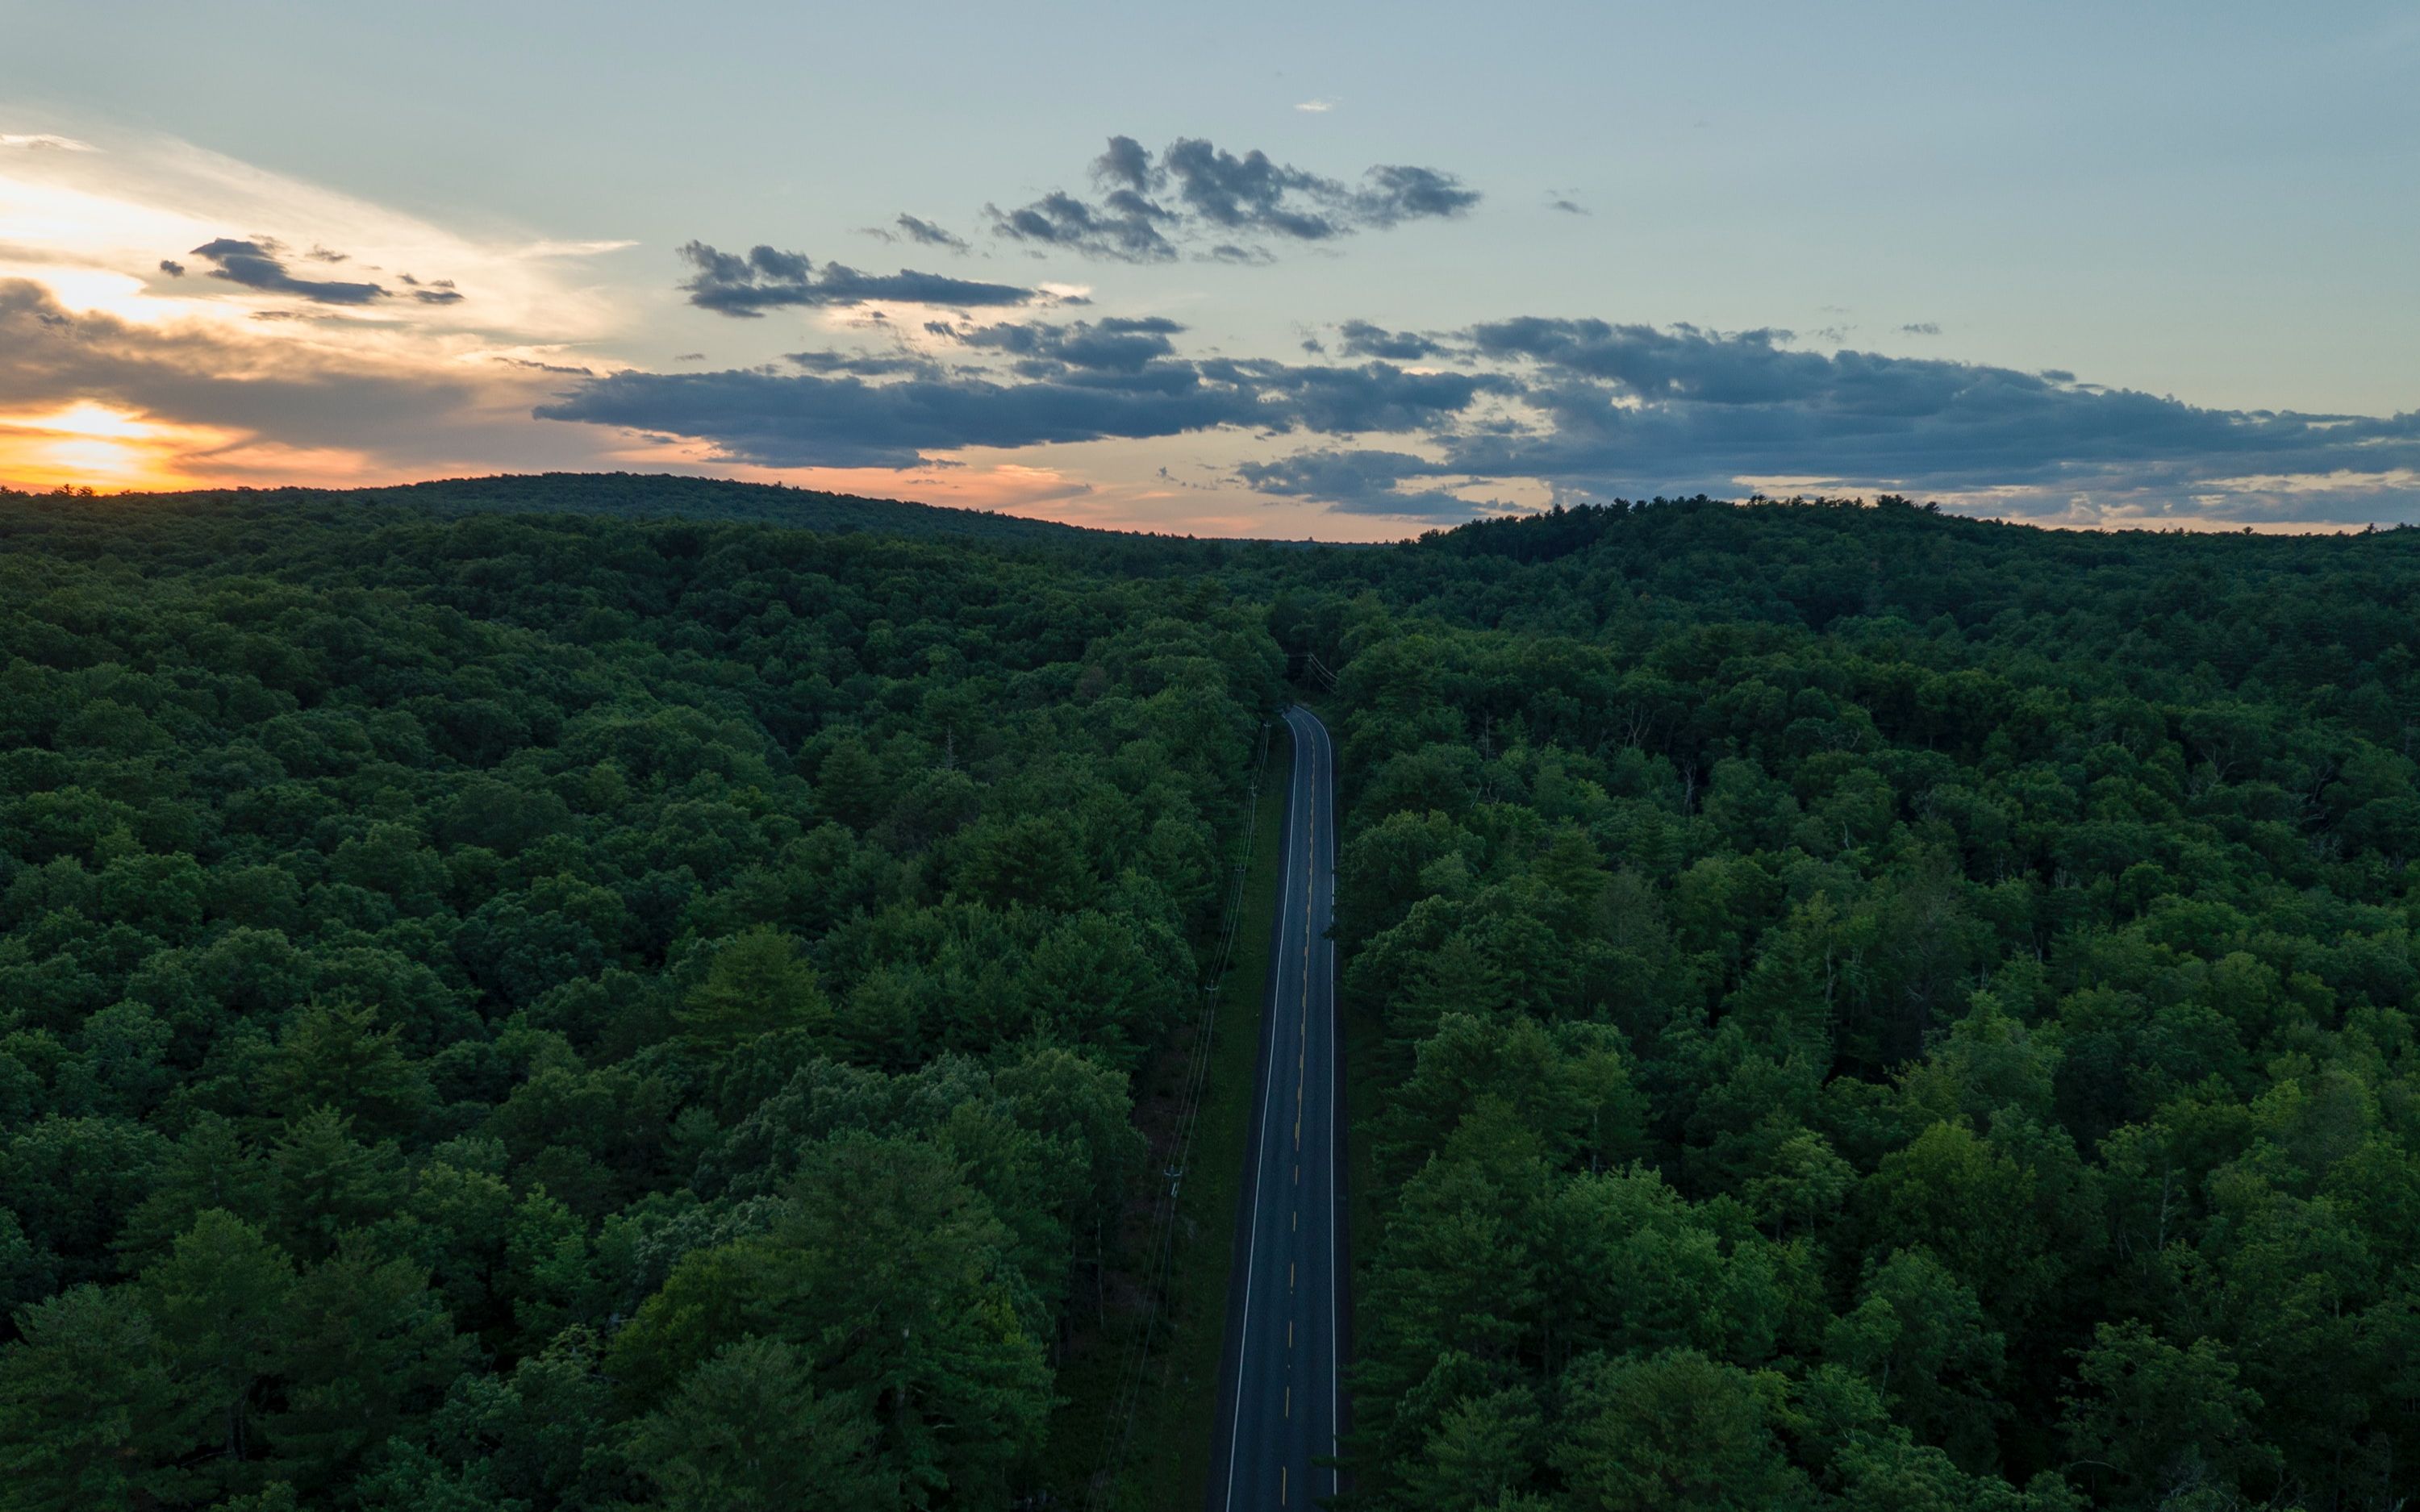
[1357,481]
[1542,407]
[1109,345]
[1920,328]
[1568,206]
[810,420]
[1316,107]
[1088,381]
[172,267]
[1632,409]
[1398,192]
[257,395]
[925,234]
[1150,208]
[258,264]
[729,284]
[45,142]
[1359,338]
[1126,226]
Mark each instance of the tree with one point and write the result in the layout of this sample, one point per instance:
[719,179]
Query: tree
[1484,1451]
[1672,1429]
[747,1432]
[87,1411]
[757,983]
[887,1274]
[368,1347]
[1920,1338]
[2159,1420]
[220,1302]
[849,787]
[333,1055]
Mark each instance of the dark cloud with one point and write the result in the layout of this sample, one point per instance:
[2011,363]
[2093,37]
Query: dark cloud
[1638,408]
[1344,401]
[1362,339]
[1249,192]
[1125,164]
[765,279]
[866,364]
[1397,193]
[816,421]
[1920,328]
[172,267]
[322,254]
[924,232]
[1110,345]
[1357,481]
[258,264]
[1150,208]
[1576,407]
[547,367]
[437,296]
[1568,206]
[1086,380]
[1125,227]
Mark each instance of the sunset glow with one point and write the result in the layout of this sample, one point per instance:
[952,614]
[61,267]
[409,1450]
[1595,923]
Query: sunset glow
[93,445]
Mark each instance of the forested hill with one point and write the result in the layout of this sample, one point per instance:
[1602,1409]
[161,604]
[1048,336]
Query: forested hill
[659,495]
[637,496]
[1881,1011]
[1626,570]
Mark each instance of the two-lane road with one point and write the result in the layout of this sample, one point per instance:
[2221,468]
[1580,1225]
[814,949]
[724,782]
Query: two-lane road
[1280,1401]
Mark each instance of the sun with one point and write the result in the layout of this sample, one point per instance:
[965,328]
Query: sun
[90,444]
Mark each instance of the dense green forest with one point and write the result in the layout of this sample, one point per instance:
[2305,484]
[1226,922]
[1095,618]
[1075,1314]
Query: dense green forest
[1873,1011]
[566,1013]
[1883,1011]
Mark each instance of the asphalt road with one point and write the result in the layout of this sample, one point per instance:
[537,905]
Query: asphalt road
[1281,1402]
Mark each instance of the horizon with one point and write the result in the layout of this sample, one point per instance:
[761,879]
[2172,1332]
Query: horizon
[2075,269]
[1413,532]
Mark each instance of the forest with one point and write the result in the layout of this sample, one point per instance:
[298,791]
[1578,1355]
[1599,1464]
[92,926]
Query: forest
[1883,1012]
[560,1012]
[521,1005]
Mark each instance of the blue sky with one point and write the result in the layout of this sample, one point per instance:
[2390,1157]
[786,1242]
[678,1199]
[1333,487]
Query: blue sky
[1830,248]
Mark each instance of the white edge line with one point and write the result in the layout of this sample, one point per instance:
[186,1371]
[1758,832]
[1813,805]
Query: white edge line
[1335,1096]
[1252,1237]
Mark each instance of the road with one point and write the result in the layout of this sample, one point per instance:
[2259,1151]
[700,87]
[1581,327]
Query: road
[1281,1402]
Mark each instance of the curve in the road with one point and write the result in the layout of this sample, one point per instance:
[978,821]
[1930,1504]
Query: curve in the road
[1281,1397]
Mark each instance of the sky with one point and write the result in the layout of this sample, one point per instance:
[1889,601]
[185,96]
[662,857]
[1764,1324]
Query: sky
[1335,270]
